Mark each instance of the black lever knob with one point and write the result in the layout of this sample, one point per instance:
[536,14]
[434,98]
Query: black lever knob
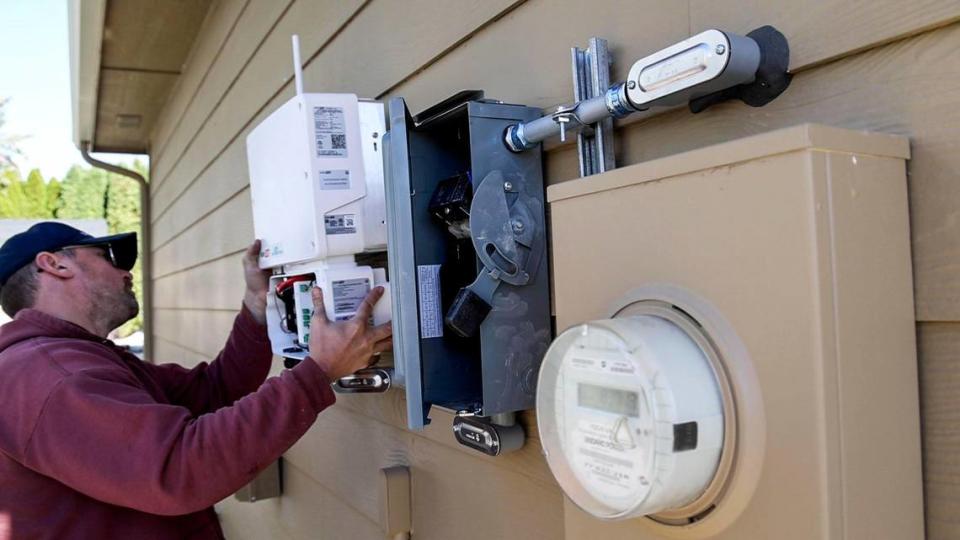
[467,313]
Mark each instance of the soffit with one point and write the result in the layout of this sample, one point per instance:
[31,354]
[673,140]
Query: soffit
[144,46]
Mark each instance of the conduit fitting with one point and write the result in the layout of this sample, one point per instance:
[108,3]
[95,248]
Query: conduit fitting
[708,68]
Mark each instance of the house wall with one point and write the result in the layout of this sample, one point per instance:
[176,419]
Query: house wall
[879,65]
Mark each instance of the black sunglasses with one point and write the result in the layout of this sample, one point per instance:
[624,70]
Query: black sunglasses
[107,252]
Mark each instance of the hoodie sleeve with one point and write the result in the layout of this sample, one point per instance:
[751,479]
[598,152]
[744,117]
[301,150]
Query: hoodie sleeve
[240,368]
[102,434]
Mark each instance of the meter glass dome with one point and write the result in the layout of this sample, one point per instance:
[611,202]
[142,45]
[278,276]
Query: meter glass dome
[630,415]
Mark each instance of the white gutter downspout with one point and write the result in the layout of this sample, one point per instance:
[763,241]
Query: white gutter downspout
[146,262]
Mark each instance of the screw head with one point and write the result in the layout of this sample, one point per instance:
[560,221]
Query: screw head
[721,49]
[507,186]
[631,85]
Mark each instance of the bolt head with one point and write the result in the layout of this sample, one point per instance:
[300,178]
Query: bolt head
[721,49]
[631,85]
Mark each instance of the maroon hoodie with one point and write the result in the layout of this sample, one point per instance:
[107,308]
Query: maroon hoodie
[95,443]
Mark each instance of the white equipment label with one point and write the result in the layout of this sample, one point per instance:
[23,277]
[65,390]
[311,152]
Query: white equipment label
[428,289]
[347,296]
[330,128]
[340,223]
[335,179]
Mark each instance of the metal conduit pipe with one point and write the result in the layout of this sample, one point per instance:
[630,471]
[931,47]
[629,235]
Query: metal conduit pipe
[703,70]
[146,263]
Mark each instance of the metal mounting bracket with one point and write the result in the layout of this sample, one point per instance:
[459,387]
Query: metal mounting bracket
[591,78]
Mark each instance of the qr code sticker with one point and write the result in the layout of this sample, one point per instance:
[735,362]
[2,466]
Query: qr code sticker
[330,131]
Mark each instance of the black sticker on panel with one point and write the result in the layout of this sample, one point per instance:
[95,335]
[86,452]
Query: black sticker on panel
[684,436]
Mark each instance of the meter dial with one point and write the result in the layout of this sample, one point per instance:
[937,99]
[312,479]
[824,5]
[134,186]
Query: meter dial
[630,415]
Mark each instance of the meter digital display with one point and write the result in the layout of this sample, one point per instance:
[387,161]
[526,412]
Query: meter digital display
[608,399]
[630,416]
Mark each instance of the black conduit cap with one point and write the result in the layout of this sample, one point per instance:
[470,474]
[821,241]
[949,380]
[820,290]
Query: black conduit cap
[772,77]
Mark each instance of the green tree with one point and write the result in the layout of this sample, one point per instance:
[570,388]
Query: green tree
[35,194]
[53,196]
[14,202]
[8,178]
[83,194]
[33,198]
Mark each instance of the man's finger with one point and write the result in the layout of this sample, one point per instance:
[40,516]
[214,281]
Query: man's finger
[254,250]
[379,333]
[366,307]
[319,312]
[383,345]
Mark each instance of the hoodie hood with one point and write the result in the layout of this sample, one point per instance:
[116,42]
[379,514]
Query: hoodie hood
[31,323]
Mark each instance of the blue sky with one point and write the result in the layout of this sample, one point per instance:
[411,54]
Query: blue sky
[35,74]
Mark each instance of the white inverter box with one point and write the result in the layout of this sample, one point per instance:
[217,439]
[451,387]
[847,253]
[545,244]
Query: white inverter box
[316,179]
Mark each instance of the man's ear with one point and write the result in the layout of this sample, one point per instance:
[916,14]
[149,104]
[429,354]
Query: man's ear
[54,264]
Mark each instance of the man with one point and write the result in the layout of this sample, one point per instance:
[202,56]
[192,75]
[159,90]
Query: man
[95,443]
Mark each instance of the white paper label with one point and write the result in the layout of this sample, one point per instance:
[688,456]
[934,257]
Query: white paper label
[347,296]
[340,223]
[335,179]
[428,286]
[330,129]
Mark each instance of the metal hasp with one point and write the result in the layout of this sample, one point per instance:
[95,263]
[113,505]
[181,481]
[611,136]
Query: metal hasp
[365,381]
[705,69]
[483,435]
[449,159]
[591,78]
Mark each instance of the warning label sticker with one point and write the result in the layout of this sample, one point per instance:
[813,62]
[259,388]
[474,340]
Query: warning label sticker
[330,128]
[347,296]
[340,223]
[335,179]
[428,288]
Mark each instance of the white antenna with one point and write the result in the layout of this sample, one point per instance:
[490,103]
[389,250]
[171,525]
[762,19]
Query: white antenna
[297,70]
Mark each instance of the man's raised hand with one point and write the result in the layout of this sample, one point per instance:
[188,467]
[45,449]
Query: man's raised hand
[258,282]
[341,348]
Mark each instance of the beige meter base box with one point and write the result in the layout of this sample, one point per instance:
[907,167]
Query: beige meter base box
[792,251]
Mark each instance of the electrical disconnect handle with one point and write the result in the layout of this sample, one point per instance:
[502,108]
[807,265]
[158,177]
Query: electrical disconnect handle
[508,236]
[471,306]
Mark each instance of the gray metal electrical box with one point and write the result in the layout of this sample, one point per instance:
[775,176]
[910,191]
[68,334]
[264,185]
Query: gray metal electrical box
[467,258]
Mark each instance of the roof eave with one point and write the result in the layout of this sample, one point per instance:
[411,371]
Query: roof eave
[85,21]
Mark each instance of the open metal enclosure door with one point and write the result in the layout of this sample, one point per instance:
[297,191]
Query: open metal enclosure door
[494,371]
[403,290]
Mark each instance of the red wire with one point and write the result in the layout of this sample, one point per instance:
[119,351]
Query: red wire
[287,283]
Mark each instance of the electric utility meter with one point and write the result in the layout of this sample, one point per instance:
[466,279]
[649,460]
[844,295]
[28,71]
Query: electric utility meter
[631,416]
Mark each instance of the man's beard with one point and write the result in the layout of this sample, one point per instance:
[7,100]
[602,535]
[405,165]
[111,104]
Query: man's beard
[113,307]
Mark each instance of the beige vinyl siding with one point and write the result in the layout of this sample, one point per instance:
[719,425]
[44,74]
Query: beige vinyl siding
[939,348]
[884,66]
